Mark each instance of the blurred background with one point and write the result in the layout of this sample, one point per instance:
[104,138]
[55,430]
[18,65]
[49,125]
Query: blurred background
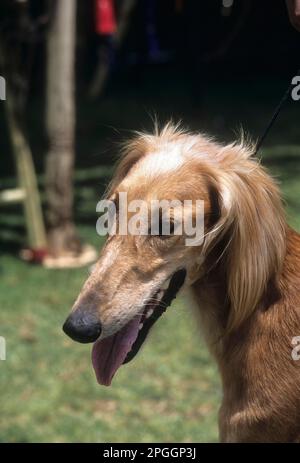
[80,77]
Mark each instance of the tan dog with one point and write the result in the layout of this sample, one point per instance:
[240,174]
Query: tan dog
[245,276]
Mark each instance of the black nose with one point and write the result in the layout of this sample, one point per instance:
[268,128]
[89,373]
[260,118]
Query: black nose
[82,326]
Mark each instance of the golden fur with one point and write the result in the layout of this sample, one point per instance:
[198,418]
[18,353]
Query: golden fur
[245,276]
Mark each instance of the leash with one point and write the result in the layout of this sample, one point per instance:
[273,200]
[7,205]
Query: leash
[282,102]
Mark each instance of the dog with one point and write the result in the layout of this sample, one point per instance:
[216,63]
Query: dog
[245,277]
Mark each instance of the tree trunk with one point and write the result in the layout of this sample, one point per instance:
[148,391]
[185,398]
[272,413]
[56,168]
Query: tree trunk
[60,122]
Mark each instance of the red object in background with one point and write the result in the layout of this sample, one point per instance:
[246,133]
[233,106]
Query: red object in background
[34,256]
[105,17]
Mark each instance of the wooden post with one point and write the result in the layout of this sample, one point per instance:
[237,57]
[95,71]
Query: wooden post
[26,179]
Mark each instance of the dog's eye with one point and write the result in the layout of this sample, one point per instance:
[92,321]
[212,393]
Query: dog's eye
[164,231]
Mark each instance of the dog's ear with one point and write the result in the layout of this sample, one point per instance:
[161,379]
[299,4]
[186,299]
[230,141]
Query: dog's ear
[252,221]
[214,199]
[131,153]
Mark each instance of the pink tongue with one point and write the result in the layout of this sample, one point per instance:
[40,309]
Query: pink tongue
[109,354]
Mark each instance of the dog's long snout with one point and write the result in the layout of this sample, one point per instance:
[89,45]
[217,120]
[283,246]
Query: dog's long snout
[82,326]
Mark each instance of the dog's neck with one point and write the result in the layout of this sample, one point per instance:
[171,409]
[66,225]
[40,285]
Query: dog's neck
[213,304]
[210,293]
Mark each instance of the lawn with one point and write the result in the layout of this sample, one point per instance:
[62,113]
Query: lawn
[170,392]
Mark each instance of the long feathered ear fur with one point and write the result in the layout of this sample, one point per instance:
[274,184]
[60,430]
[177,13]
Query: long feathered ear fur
[252,217]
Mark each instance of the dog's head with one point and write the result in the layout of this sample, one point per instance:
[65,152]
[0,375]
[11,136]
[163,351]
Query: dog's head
[138,275]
